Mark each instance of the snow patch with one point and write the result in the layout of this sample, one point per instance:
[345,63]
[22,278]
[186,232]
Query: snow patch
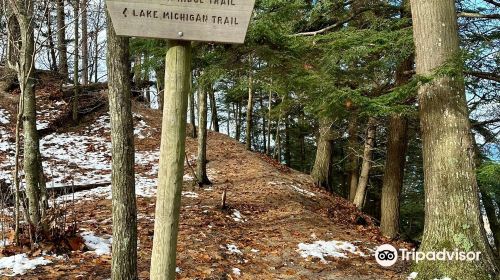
[4,243]
[19,264]
[101,246]
[412,276]
[237,216]
[236,271]
[321,249]
[233,249]
[303,192]
[190,194]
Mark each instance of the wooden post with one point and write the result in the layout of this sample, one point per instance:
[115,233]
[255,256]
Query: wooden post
[177,86]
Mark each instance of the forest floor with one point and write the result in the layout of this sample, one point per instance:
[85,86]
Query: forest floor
[277,224]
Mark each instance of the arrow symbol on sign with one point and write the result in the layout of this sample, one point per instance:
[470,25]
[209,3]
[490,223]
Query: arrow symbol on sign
[125,12]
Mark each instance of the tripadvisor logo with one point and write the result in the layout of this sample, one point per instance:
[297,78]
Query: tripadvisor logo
[387,255]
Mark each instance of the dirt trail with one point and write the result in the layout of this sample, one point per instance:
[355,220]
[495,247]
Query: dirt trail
[270,212]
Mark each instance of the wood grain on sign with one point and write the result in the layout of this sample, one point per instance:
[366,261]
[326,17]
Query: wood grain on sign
[195,20]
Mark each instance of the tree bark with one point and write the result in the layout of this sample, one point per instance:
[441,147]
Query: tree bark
[14,38]
[61,39]
[288,152]
[201,165]
[160,80]
[177,89]
[264,133]
[397,142]
[268,150]
[85,43]
[248,135]
[238,121]
[393,175]
[76,9]
[50,39]
[124,262]
[359,199]
[353,157]
[213,109]
[192,115]
[493,220]
[321,169]
[452,212]
[23,11]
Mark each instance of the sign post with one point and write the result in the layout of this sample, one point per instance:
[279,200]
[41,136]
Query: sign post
[181,21]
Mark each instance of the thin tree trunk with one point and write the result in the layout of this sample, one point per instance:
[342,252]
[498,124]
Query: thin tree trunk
[288,154]
[367,163]
[192,115]
[160,80]
[493,220]
[393,175]
[124,263]
[321,168]
[85,43]
[168,203]
[14,38]
[452,211]
[201,162]
[228,123]
[268,151]
[96,45]
[238,120]
[397,141]
[213,109]
[353,157]
[248,135]
[264,140]
[26,76]
[50,39]
[61,39]
[76,9]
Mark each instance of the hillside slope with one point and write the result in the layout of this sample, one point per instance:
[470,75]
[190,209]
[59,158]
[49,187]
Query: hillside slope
[277,225]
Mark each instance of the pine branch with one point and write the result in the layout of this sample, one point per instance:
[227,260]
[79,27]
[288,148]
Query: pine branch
[484,75]
[328,28]
[478,15]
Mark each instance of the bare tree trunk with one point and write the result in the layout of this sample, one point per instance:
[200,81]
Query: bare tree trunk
[213,109]
[264,136]
[393,175]
[493,220]
[160,80]
[288,154]
[168,203]
[201,165]
[248,135]
[85,43]
[50,39]
[268,151]
[76,9]
[14,38]
[238,120]
[96,45]
[397,142]
[452,211]
[26,75]
[124,263]
[367,163]
[61,39]
[353,157]
[192,114]
[228,123]
[321,168]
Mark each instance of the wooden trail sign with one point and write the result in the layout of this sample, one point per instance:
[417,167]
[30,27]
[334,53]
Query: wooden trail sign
[193,20]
